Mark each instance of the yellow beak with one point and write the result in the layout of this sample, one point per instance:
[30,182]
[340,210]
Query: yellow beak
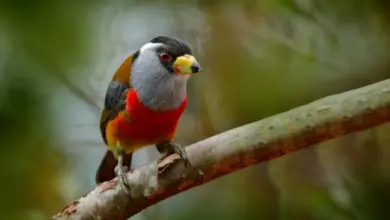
[186,64]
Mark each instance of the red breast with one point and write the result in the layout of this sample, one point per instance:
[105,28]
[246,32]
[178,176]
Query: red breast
[147,125]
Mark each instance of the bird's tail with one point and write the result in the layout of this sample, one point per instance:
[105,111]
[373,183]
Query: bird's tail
[106,168]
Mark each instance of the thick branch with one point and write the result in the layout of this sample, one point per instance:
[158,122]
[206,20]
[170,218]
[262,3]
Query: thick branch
[238,148]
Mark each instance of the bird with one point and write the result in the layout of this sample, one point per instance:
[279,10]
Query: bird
[143,104]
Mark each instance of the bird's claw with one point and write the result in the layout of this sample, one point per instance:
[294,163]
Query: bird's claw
[169,148]
[120,172]
[182,153]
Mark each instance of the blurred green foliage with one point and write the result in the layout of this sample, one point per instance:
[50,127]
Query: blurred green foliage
[260,58]
[38,41]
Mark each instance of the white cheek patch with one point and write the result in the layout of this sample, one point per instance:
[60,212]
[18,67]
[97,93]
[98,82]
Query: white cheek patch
[150,46]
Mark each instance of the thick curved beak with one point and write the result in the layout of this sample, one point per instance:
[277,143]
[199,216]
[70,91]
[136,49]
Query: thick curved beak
[186,64]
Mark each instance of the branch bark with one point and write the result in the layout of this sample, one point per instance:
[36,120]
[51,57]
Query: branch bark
[238,148]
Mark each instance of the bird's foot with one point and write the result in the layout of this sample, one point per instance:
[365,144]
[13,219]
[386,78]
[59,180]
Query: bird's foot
[163,156]
[177,148]
[120,172]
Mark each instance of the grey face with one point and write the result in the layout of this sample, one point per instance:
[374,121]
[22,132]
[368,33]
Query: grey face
[170,50]
[157,85]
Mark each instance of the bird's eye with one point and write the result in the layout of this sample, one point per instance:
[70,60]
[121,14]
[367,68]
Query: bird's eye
[165,57]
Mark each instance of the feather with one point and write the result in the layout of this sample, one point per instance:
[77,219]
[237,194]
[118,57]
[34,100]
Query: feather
[114,102]
[116,93]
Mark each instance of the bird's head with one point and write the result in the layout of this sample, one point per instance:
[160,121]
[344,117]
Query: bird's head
[166,56]
[162,66]
[175,55]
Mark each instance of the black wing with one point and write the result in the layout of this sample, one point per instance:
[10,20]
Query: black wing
[114,102]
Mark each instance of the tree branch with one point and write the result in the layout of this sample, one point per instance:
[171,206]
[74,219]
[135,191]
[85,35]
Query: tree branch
[238,148]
